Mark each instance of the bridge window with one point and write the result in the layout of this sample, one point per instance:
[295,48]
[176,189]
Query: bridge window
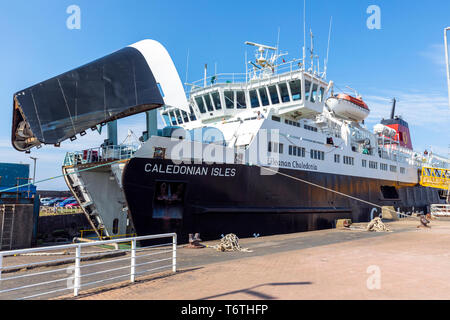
[364,163]
[200,104]
[166,119]
[178,113]
[307,89]
[322,93]
[240,100]
[393,168]
[216,99]
[274,95]
[208,102]
[383,166]
[264,97]
[296,89]
[173,120]
[192,114]
[229,99]
[254,99]
[284,92]
[373,165]
[402,170]
[314,93]
[185,116]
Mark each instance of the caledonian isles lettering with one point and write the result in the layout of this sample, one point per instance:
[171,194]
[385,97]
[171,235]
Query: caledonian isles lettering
[190,170]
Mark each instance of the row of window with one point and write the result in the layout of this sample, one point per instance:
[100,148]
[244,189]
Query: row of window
[297,151]
[372,164]
[320,155]
[295,124]
[271,95]
[310,128]
[349,160]
[316,154]
[177,117]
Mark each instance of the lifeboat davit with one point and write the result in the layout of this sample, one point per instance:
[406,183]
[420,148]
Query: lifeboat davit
[348,107]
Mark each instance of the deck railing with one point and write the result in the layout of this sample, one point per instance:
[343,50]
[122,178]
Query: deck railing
[100,154]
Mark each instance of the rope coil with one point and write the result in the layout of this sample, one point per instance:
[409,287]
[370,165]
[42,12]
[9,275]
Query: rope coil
[230,243]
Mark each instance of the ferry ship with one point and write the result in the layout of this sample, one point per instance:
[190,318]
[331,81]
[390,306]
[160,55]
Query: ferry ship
[272,150]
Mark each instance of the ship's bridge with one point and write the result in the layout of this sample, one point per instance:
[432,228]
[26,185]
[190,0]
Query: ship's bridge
[286,88]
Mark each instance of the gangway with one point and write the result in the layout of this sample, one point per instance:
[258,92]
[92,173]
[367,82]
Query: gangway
[435,178]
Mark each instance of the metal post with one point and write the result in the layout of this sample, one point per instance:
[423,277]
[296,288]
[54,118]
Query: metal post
[1,265]
[174,257]
[76,286]
[34,169]
[133,260]
[447,63]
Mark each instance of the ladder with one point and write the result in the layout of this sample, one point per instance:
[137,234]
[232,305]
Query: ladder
[7,227]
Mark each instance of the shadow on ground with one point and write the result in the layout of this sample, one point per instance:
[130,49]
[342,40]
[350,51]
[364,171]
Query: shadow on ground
[252,292]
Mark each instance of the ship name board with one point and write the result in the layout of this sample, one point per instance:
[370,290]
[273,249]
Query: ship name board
[190,170]
[293,164]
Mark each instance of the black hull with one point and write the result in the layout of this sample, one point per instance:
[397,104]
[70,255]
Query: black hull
[221,199]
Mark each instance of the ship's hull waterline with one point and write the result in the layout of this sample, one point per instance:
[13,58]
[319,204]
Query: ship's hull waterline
[223,198]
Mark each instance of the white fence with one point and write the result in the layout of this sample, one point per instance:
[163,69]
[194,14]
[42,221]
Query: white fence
[440,210]
[38,278]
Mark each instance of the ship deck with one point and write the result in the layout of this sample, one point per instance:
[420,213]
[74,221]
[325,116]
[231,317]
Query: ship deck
[412,263]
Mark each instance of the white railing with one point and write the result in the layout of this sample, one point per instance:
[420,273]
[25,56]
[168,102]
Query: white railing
[100,154]
[440,210]
[48,281]
[250,76]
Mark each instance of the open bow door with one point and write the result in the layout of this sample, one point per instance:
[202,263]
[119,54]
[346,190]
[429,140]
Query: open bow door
[136,79]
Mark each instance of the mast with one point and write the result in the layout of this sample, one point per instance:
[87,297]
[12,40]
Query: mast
[304,35]
[447,63]
[328,50]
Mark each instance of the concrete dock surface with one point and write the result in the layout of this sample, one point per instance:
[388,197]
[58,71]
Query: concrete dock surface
[407,263]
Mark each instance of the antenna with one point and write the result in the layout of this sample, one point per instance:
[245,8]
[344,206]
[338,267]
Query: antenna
[262,61]
[187,70]
[278,41]
[328,50]
[261,47]
[312,50]
[304,34]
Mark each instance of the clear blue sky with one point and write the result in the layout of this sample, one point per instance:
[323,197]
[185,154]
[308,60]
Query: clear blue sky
[404,59]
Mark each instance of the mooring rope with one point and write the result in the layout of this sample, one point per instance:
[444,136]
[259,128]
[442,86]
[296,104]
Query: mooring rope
[331,190]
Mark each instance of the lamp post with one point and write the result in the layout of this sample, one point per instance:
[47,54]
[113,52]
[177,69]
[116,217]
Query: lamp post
[447,63]
[34,171]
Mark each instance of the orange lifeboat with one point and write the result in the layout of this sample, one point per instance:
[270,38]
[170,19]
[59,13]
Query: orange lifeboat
[346,106]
